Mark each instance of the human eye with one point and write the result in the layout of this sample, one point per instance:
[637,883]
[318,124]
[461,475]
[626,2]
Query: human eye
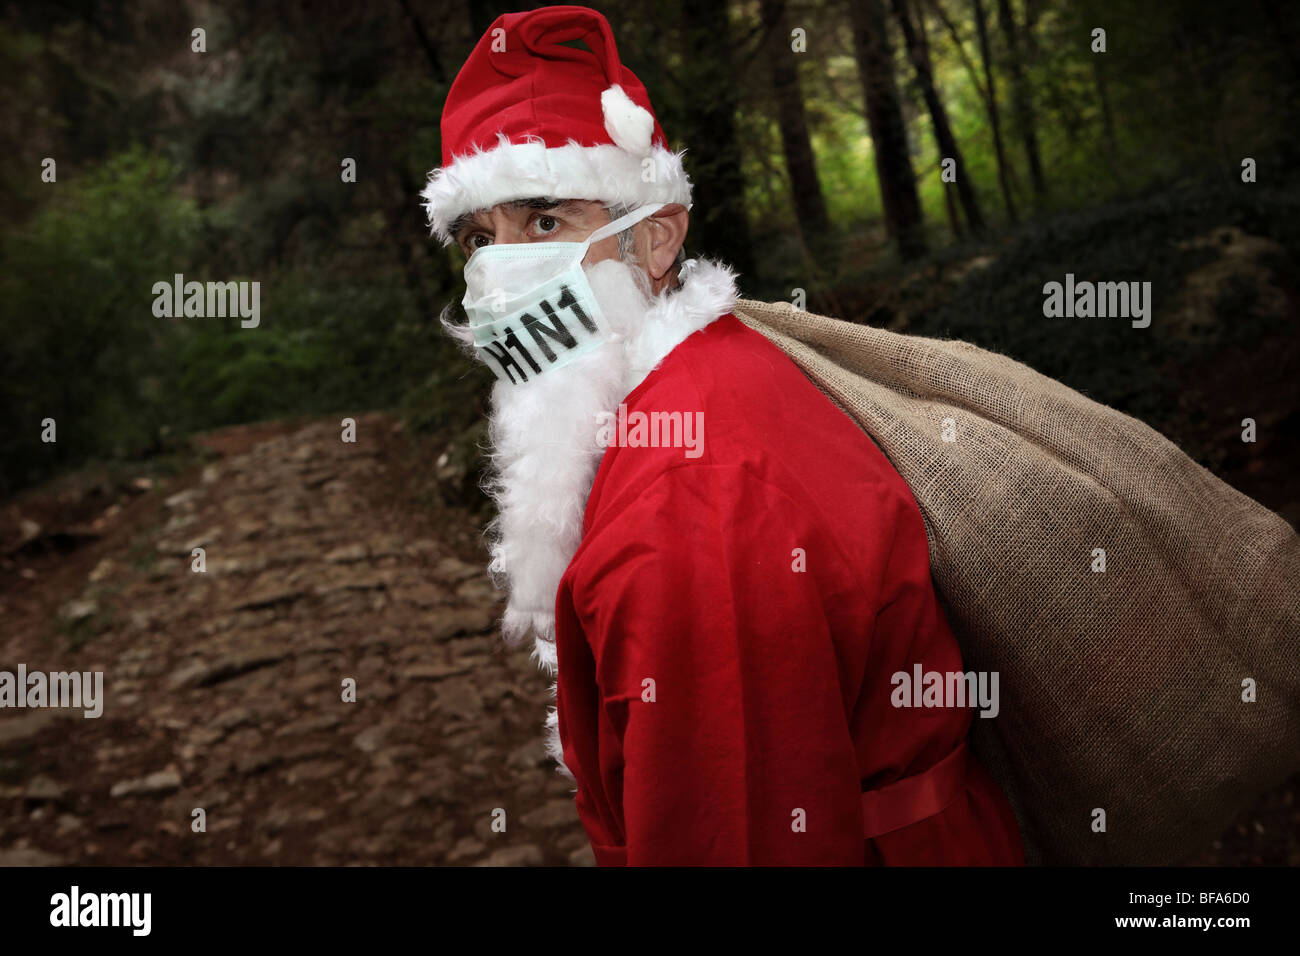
[476,240]
[545,225]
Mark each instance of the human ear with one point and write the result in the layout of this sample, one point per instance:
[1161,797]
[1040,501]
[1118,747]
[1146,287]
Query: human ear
[665,231]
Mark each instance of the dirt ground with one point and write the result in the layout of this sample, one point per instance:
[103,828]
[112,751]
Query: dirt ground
[223,688]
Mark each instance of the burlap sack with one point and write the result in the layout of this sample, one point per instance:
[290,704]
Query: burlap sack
[1121,690]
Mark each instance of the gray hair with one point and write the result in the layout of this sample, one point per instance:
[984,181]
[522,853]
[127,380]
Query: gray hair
[626,252]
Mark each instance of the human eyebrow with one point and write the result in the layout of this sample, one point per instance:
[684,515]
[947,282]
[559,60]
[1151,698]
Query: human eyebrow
[461,224]
[544,203]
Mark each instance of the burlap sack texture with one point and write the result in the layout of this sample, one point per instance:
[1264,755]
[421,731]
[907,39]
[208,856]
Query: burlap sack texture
[1120,690]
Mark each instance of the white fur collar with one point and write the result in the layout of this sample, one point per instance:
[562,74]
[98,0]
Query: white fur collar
[708,292]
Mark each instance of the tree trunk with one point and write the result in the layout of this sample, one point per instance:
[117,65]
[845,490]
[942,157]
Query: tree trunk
[809,203]
[720,222]
[960,49]
[1280,29]
[981,28]
[918,51]
[898,193]
[1033,10]
[422,37]
[1103,99]
[1022,101]
[954,220]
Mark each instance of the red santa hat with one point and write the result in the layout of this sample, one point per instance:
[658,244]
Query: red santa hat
[531,117]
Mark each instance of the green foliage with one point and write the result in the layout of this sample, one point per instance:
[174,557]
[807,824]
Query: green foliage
[1001,307]
[451,394]
[323,345]
[82,345]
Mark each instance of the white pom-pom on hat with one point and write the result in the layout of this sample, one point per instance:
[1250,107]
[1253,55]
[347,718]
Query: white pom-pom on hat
[631,127]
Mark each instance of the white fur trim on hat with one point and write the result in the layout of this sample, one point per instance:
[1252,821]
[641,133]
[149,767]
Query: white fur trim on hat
[605,173]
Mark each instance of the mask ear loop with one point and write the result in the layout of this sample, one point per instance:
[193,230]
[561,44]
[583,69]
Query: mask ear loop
[621,223]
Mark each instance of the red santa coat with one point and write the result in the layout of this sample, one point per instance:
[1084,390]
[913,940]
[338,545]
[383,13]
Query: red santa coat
[717,706]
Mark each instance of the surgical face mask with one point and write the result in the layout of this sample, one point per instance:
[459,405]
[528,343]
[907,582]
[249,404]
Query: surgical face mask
[530,306]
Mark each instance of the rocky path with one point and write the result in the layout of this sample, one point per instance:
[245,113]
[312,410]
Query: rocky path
[223,689]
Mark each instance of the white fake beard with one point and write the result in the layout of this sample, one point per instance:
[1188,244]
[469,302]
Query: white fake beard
[545,451]
[544,459]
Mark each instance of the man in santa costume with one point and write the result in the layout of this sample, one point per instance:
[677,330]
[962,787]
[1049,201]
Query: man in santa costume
[727,594]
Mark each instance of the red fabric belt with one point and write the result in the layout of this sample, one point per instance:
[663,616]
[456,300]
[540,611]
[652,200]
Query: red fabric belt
[888,808]
[914,798]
